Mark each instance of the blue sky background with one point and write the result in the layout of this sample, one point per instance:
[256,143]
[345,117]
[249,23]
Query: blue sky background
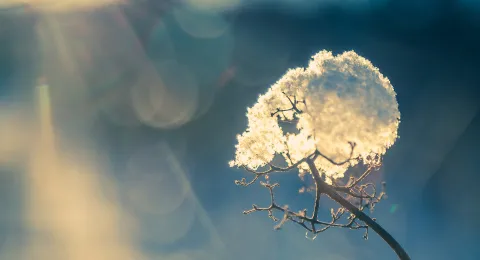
[428,49]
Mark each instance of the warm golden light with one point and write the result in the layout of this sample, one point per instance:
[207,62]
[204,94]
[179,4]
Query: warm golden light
[61,6]
[68,212]
[333,103]
[73,209]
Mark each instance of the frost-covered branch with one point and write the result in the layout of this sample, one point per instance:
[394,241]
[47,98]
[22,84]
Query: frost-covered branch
[334,101]
[294,109]
[300,218]
[349,159]
[271,169]
[312,224]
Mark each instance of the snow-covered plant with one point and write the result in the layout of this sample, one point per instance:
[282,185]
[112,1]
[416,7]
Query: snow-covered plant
[326,121]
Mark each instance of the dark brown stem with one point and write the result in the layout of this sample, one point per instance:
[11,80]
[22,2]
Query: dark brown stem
[328,190]
[316,206]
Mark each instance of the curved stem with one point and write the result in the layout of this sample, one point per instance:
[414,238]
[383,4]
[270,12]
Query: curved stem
[326,189]
[318,194]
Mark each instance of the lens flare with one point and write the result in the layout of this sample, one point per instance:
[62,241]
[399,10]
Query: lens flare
[61,6]
[67,214]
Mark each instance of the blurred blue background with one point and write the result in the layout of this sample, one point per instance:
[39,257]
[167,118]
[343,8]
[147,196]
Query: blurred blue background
[224,54]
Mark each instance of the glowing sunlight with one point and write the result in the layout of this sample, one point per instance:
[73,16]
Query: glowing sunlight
[71,215]
[334,103]
[60,6]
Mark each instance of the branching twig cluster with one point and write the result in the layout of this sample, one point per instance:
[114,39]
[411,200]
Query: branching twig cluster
[360,193]
[311,224]
[280,113]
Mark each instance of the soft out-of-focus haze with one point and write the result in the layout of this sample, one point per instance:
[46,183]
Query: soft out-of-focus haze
[126,153]
[13,142]
[60,6]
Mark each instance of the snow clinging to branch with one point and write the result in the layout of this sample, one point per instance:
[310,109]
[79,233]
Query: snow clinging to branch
[341,106]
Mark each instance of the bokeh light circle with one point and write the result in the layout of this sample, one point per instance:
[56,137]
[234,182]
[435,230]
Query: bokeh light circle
[200,23]
[153,183]
[165,96]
